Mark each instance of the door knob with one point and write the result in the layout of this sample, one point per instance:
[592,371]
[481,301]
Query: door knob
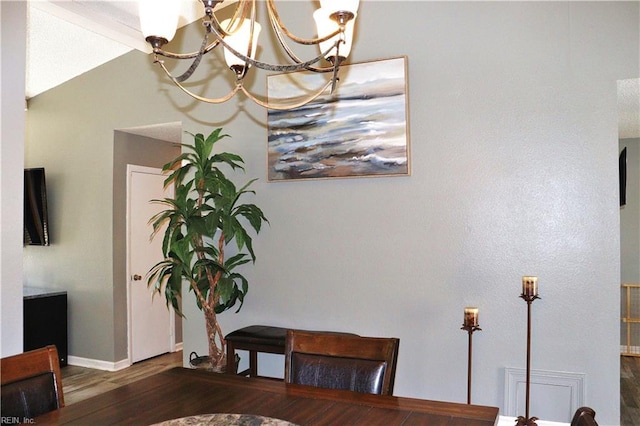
[137,277]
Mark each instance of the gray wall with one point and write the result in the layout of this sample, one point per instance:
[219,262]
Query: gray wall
[514,158]
[12,122]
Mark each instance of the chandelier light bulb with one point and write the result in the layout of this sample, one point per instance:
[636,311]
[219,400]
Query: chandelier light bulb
[326,26]
[238,39]
[159,18]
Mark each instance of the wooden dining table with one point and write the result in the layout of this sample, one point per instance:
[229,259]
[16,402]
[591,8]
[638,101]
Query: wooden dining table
[182,392]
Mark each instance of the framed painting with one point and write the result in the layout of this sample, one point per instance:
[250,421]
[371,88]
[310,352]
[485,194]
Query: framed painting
[361,130]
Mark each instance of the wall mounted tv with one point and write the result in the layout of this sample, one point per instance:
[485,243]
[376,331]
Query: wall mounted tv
[36,219]
[622,177]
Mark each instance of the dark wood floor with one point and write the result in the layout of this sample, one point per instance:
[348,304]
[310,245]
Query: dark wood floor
[79,383]
[629,391]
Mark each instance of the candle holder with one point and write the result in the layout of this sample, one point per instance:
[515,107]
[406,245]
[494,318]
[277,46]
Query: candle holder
[470,325]
[529,294]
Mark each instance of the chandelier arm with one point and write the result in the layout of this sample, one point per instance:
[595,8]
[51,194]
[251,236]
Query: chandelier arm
[191,55]
[185,76]
[297,60]
[273,67]
[213,24]
[251,32]
[278,26]
[288,106]
[255,99]
[198,97]
[336,65]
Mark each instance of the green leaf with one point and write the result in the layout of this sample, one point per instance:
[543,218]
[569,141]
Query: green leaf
[232,160]
[235,261]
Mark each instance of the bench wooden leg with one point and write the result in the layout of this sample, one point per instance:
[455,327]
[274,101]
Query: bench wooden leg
[253,363]
[231,355]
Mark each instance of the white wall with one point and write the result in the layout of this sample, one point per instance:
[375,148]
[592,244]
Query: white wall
[514,153]
[12,121]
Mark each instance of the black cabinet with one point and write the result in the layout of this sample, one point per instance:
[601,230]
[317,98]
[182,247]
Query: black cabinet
[45,320]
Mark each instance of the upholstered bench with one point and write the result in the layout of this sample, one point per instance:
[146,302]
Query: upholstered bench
[255,338]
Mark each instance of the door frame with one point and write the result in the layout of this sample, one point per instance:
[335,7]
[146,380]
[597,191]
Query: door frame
[132,168]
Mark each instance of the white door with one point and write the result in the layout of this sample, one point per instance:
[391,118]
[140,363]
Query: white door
[151,324]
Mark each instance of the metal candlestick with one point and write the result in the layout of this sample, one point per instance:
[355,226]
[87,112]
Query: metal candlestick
[470,329]
[526,420]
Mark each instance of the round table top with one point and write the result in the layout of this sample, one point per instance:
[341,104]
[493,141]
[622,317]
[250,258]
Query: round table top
[225,419]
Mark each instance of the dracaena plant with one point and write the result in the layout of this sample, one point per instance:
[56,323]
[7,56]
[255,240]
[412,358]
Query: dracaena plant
[200,222]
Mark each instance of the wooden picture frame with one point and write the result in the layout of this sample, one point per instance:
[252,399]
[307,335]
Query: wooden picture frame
[361,130]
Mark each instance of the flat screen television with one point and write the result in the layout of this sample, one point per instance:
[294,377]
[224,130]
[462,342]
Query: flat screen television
[622,178]
[36,218]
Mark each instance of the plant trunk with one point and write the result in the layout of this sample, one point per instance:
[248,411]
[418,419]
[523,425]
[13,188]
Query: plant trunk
[217,344]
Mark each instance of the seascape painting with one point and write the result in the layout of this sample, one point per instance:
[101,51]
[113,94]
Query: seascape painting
[360,130]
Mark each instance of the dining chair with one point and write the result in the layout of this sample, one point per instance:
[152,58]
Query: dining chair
[584,416]
[31,383]
[338,361]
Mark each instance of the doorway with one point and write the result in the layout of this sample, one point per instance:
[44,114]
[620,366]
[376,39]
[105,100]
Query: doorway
[151,322]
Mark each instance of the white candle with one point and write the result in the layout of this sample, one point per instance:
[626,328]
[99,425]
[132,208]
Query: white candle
[470,317]
[530,286]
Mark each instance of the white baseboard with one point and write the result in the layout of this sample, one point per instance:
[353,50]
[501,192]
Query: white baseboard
[98,364]
[105,365]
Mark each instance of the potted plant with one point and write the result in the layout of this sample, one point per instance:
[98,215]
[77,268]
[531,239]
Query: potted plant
[202,220]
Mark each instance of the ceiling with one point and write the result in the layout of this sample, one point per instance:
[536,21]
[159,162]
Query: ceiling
[68,38]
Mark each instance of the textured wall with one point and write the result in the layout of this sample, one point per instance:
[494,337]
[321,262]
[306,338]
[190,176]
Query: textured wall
[514,157]
[12,123]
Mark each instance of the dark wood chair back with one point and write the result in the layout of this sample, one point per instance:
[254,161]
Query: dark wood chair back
[31,383]
[584,416]
[339,361]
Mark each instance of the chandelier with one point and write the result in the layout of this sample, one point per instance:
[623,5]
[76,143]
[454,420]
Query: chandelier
[238,37]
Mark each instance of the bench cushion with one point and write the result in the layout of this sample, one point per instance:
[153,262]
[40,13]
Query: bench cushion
[259,335]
